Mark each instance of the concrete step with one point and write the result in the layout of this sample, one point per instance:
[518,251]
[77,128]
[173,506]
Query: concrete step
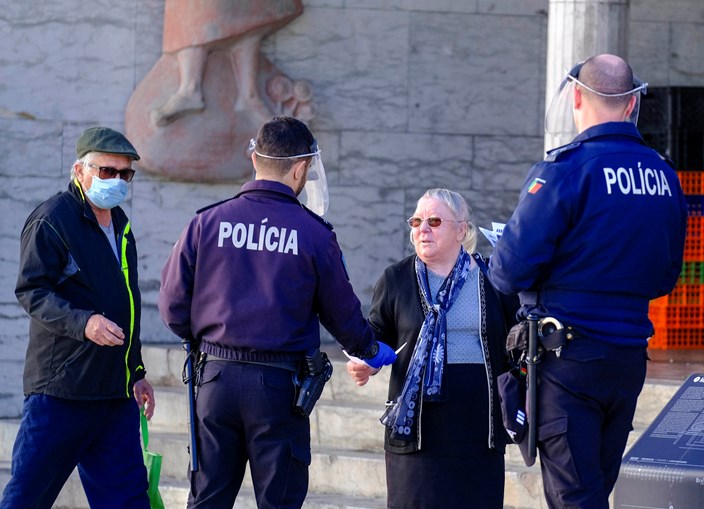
[352,425]
[337,476]
[333,470]
[356,424]
[174,492]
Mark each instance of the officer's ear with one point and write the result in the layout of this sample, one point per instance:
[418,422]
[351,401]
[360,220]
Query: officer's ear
[629,109]
[299,169]
[577,100]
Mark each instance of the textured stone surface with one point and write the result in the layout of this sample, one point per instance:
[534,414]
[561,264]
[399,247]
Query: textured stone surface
[501,162]
[359,61]
[74,61]
[369,225]
[513,7]
[687,65]
[404,158]
[650,51]
[687,11]
[459,84]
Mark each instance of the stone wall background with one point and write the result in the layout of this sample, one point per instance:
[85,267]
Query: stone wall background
[411,94]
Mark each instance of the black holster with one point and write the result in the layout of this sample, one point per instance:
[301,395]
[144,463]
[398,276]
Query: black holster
[551,337]
[316,371]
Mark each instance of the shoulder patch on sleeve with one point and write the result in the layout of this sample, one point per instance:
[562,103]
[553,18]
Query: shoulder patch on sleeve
[554,154]
[536,185]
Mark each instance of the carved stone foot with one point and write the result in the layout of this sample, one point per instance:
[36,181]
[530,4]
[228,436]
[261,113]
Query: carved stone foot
[255,107]
[177,106]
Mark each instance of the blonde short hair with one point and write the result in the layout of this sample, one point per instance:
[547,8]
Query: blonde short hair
[460,210]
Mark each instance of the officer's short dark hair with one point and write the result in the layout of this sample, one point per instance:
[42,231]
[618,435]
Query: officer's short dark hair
[608,77]
[283,137]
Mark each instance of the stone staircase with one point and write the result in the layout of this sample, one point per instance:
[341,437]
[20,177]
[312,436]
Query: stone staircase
[347,470]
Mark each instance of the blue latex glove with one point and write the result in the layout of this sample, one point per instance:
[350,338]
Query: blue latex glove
[383,357]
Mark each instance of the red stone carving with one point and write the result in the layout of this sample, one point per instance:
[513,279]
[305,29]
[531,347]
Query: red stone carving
[192,115]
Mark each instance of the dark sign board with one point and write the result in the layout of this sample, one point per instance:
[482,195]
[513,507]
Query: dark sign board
[665,468]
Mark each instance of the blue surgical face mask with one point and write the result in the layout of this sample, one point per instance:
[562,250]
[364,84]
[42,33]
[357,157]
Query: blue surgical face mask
[108,193]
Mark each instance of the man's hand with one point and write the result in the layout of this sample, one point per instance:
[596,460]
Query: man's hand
[144,394]
[103,332]
[360,373]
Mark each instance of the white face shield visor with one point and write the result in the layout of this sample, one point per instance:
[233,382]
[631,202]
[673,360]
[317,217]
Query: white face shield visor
[559,119]
[315,191]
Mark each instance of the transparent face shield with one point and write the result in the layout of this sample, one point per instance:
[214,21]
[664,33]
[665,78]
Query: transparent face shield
[314,194]
[559,119]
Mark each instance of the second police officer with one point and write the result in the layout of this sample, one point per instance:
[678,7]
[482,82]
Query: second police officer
[250,279]
[598,232]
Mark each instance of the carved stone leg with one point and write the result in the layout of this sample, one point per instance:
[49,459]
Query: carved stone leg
[189,96]
[244,55]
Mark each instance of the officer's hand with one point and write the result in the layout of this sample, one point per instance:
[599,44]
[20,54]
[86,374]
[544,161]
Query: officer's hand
[360,373]
[103,332]
[383,357]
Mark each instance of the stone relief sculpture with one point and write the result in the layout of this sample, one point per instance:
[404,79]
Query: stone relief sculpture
[194,112]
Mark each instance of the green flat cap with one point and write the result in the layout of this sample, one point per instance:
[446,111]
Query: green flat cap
[104,139]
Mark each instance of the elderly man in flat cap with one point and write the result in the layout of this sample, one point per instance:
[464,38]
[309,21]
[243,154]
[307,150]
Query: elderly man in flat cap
[84,379]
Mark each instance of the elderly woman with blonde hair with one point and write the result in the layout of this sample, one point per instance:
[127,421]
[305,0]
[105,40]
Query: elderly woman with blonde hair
[440,303]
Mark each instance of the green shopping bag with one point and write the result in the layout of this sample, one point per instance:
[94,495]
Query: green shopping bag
[152,461]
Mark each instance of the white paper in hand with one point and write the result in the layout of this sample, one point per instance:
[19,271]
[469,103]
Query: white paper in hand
[357,360]
[354,359]
[497,229]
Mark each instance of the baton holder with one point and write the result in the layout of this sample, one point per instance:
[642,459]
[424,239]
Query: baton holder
[532,359]
[188,379]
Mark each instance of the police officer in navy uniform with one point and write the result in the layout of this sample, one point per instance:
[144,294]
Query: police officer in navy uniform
[598,232]
[250,279]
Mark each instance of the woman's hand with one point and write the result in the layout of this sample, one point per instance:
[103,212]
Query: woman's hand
[360,373]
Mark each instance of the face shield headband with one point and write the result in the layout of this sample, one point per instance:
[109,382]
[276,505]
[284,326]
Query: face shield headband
[315,191]
[559,118]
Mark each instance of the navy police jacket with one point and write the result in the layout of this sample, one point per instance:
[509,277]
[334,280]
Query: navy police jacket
[68,272]
[258,273]
[598,232]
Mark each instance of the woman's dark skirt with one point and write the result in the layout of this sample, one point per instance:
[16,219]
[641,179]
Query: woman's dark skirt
[455,469]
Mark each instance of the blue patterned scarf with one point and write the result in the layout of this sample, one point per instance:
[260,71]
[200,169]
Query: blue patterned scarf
[428,360]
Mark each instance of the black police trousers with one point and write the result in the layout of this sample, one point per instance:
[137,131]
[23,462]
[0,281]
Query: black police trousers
[244,412]
[586,401]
